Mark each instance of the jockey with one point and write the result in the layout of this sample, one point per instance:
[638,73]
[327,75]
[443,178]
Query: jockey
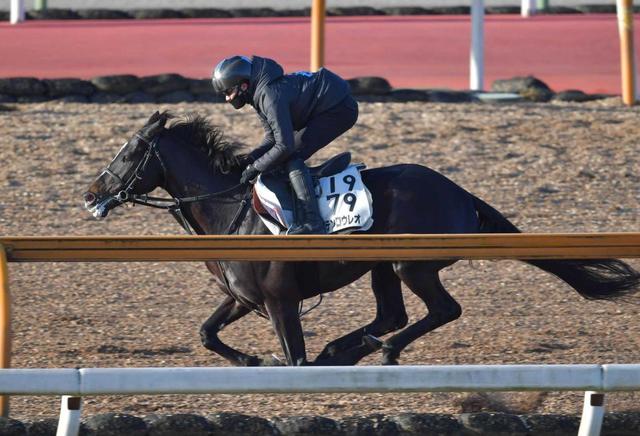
[300,112]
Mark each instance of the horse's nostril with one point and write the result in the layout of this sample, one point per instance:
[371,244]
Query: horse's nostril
[89,198]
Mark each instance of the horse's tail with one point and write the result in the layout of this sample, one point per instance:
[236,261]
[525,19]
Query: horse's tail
[594,279]
[492,221]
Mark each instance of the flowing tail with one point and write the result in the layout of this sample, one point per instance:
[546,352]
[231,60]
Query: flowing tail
[594,279]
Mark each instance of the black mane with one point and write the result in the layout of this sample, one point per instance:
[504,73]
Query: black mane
[197,131]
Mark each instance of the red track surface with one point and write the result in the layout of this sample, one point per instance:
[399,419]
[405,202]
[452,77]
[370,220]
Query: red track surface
[566,51]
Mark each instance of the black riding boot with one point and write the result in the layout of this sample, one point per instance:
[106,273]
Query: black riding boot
[310,222]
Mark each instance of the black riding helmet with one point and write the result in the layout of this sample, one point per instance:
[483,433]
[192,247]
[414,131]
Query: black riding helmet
[229,74]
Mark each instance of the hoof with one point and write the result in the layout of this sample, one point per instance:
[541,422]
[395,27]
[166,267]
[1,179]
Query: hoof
[329,351]
[251,361]
[325,361]
[389,355]
[389,361]
[272,360]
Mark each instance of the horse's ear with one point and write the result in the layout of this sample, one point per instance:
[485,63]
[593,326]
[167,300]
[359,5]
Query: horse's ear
[153,118]
[162,119]
[156,123]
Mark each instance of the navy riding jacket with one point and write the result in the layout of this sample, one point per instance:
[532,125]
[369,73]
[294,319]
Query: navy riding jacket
[285,103]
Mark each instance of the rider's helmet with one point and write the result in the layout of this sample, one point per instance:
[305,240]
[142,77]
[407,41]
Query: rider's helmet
[228,75]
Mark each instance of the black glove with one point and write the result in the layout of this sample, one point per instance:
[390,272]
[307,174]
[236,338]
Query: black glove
[245,160]
[249,173]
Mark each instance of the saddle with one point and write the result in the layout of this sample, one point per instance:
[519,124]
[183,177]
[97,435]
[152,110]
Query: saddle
[274,202]
[334,165]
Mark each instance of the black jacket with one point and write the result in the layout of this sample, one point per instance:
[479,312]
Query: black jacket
[285,103]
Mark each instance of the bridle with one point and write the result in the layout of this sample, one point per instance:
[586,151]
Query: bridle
[124,194]
[173,204]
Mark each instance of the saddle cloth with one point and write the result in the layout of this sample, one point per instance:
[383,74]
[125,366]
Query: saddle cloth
[345,202]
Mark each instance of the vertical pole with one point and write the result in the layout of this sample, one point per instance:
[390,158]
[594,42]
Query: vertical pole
[543,5]
[592,414]
[5,325]
[627,54]
[40,5]
[476,67]
[70,413]
[528,8]
[317,34]
[17,11]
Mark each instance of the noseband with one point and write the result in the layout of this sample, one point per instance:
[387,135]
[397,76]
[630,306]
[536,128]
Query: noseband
[174,204]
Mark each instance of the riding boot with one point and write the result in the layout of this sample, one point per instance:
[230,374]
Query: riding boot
[310,222]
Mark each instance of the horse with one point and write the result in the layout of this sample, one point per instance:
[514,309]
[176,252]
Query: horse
[190,160]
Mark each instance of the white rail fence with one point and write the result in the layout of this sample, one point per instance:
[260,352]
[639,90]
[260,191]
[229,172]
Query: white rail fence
[75,383]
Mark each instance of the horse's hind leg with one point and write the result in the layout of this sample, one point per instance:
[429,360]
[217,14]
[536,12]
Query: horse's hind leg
[228,311]
[422,278]
[390,316]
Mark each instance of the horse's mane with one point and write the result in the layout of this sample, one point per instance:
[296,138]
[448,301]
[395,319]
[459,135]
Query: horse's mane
[196,131]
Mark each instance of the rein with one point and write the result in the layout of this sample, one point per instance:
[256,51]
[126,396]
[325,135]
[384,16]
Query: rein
[175,203]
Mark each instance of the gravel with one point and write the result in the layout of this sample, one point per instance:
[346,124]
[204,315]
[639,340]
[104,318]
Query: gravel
[555,167]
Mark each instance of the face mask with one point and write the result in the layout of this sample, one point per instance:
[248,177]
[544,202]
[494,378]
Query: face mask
[239,101]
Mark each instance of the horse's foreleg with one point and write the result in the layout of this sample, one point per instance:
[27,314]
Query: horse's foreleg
[286,323]
[390,316]
[228,311]
[422,278]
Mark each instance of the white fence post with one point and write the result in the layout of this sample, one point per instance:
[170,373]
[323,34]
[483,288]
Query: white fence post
[476,67]
[70,412]
[528,8]
[17,11]
[592,414]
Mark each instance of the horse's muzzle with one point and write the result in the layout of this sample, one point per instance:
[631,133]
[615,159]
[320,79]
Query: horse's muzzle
[89,199]
[99,209]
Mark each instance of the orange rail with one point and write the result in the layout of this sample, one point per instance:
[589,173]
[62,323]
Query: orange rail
[334,247]
[5,325]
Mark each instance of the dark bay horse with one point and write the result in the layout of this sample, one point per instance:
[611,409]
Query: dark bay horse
[189,159]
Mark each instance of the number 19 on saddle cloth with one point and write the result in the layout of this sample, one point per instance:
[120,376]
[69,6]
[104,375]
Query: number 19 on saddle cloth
[345,202]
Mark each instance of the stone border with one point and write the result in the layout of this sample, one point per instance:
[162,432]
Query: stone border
[174,88]
[106,14]
[234,424]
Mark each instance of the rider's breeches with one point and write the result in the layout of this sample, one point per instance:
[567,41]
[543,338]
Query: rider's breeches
[325,127]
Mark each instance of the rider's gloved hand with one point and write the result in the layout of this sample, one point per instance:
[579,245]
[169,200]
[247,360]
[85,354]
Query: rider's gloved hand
[245,160]
[249,174]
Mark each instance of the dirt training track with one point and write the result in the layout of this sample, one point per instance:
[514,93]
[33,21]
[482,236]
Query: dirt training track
[565,51]
[549,167]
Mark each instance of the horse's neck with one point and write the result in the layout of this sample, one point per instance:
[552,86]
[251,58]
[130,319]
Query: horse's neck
[210,216]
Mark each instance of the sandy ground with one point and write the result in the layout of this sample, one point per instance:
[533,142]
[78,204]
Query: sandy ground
[549,167]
